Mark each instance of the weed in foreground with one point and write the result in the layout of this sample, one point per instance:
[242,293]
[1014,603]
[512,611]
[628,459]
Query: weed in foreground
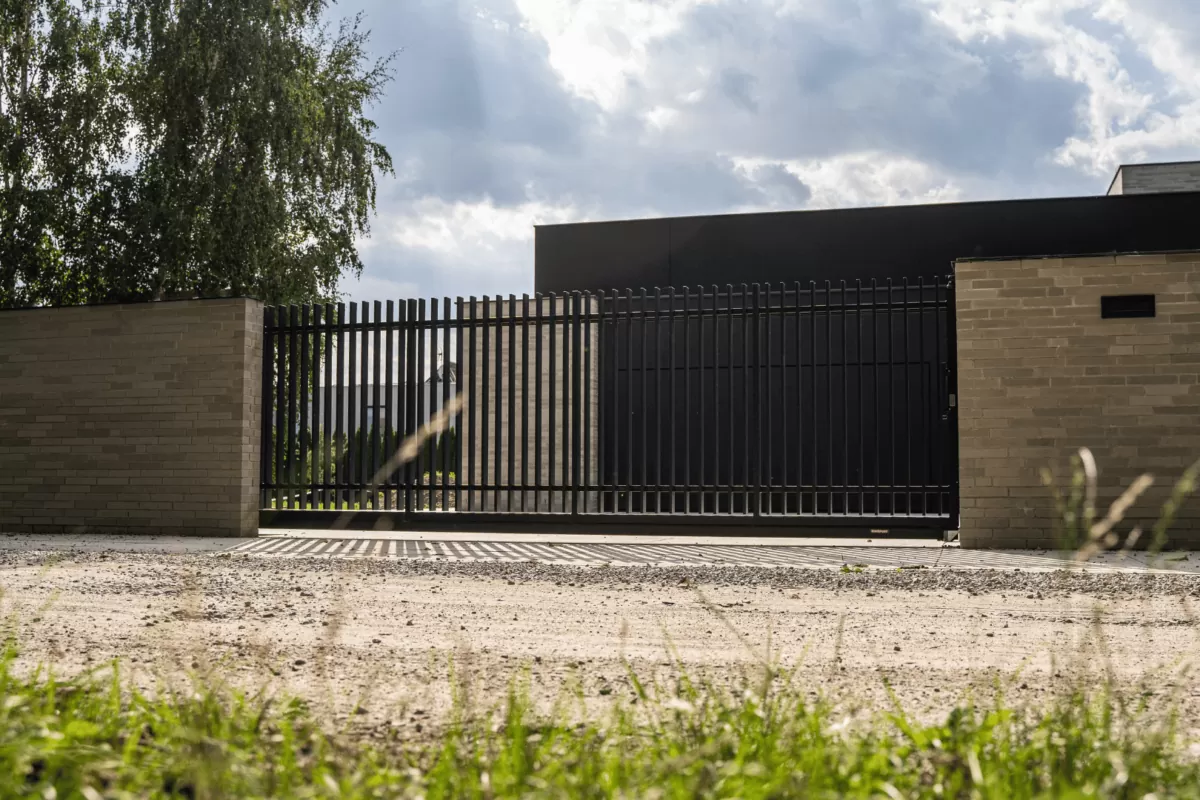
[94,736]
[1078,526]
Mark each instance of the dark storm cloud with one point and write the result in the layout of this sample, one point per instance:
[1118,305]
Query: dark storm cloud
[848,75]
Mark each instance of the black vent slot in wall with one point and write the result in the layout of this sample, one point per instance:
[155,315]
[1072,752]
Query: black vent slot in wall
[1126,306]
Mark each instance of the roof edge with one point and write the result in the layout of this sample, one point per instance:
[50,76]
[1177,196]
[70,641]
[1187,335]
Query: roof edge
[972,260]
[1117,198]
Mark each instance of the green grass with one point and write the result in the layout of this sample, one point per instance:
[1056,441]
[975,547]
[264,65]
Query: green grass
[94,736]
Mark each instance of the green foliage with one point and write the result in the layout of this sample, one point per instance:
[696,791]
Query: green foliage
[62,130]
[158,147]
[92,738]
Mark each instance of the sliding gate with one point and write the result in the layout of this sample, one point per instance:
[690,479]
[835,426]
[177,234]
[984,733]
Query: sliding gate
[796,405]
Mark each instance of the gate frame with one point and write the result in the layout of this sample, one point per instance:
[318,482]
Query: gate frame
[576,521]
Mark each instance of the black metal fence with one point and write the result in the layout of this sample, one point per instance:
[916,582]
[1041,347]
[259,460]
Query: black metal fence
[786,404]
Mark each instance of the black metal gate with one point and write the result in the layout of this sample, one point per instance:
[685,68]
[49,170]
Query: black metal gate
[781,405]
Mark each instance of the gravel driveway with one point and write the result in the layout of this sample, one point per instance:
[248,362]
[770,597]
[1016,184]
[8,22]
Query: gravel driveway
[388,630]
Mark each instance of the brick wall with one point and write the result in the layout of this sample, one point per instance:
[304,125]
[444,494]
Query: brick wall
[131,418]
[1041,375]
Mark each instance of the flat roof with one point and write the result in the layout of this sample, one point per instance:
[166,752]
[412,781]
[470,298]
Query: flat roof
[855,243]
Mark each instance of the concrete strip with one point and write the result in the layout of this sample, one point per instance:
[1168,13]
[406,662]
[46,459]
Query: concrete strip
[680,538]
[822,554]
[876,559]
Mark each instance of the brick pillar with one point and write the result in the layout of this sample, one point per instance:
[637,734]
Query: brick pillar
[1041,374]
[131,418]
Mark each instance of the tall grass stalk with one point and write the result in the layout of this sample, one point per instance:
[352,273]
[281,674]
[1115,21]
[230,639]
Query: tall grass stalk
[1076,525]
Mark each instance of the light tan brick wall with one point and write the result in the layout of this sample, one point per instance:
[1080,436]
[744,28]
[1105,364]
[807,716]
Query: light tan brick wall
[1040,375]
[131,418]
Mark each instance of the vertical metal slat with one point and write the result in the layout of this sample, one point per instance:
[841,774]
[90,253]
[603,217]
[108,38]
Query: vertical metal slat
[799,405]
[510,364]
[925,398]
[687,402]
[937,404]
[812,407]
[537,405]
[891,402]
[729,391]
[269,431]
[341,401]
[658,405]
[352,437]
[434,404]
[420,337]
[459,316]
[389,447]
[472,431]
[408,377]
[766,474]
[484,417]
[328,439]
[862,435]
[716,404]
[746,380]
[829,387]
[784,494]
[645,373]
[845,309]
[364,478]
[700,389]
[551,372]
[445,382]
[524,400]
[501,480]
[293,373]
[908,416]
[377,399]
[672,407]
[585,397]
[312,410]
[576,409]
[759,413]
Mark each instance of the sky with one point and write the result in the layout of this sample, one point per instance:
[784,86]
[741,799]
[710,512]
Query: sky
[505,114]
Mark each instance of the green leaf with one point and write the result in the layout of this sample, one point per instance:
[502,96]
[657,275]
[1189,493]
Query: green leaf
[81,729]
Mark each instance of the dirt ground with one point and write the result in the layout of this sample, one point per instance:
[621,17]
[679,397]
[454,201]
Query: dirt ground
[386,636]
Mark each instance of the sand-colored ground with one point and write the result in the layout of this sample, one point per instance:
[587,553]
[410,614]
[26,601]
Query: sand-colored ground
[386,633]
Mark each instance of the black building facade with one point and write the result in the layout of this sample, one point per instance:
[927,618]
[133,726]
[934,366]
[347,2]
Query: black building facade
[846,391]
[857,243]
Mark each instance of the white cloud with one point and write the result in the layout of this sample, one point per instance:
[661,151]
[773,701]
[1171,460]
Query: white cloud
[1121,119]
[506,113]
[453,247]
[461,229]
[867,179]
[597,46]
